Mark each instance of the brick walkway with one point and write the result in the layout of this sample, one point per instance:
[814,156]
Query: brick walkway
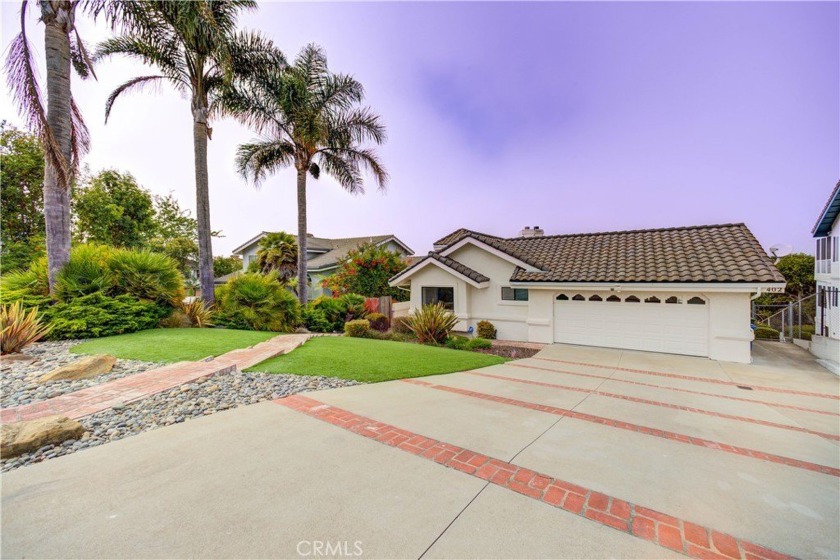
[139,386]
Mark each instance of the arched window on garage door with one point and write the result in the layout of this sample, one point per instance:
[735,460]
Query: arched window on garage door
[562,297]
[652,299]
[578,297]
[613,298]
[697,301]
[632,299]
[595,297]
[673,299]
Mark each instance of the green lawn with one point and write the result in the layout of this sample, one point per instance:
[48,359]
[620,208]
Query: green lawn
[172,345]
[373,360]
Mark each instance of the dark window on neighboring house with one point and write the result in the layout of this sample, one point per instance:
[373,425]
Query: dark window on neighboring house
[436,294]
[514,294]
[697,301]
[632,299]
[562,297]
[613,298]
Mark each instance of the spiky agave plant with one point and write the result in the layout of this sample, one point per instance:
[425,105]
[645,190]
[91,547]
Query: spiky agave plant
[198,312]
[19,328]
[432,323]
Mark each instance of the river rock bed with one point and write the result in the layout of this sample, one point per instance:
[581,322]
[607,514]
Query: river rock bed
[20,377]
[193,400]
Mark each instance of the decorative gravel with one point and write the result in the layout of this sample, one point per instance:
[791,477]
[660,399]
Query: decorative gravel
[220,392]
[20,378]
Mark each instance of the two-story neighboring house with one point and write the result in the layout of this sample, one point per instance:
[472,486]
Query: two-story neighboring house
[826,342]
[322,255]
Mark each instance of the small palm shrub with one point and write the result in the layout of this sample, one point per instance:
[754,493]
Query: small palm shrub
[432,323]
[98,315]
[19,328]
[86,272]
[257,302]
[354,306]
[146,275]
[486,330]
[30,286]
[315,320]
[378,322]
[357,328]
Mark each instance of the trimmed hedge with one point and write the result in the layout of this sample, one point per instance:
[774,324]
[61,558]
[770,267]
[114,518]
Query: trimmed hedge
[764,332]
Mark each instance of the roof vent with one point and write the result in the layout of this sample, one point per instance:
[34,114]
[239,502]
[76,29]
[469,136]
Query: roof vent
[536,231]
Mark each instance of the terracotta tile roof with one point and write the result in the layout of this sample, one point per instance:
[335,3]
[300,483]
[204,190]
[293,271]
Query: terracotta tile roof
[716,253]
[449,263]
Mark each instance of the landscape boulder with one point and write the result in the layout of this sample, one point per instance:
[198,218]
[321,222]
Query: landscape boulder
[17,438]
[89,366]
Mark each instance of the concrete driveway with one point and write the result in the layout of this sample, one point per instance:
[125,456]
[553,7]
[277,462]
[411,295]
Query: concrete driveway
[575,453]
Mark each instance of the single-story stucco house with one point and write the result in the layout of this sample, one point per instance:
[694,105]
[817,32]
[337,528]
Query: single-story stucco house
[683,290]
[322,255]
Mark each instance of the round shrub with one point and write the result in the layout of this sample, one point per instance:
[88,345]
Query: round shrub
[457,342]
[146,275]
[257,302]
[315,320]
[357,328]
[479,344]
[764,332]
[486,330]
[98,315]
[378,322]
[334,309]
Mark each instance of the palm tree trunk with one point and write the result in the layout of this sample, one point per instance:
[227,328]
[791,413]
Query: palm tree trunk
[202,202]
[58,22]
[303,286]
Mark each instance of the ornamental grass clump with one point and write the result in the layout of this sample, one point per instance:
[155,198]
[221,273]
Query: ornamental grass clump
[431,324]
[19,328]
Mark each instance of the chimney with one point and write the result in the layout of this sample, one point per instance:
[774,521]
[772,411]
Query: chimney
[536,231]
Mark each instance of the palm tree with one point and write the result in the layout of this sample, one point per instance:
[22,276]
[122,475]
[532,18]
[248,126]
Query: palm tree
[195,47]
[60,127]
[278,253]
[312,119]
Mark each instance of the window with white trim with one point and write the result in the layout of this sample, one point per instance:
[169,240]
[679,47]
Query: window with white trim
[514,294]
[443,294]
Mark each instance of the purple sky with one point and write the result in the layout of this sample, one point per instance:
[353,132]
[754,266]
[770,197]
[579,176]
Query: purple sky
[575,117]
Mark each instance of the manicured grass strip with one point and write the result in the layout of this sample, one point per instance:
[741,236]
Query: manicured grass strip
[370,361]
[172,345]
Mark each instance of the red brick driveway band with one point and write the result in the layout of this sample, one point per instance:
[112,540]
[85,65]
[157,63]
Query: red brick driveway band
[612,423]
[650,525]
[693,378]
[677,389]
[659,403]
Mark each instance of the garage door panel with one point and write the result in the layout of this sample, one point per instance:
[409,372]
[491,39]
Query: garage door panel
[675,328]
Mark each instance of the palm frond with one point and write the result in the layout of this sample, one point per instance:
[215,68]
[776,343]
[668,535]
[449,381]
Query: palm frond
[80,58]
[26,94]
[79,135]
[132,84]
[258,159]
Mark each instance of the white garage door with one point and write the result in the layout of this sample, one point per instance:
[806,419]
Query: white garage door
[672,323]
